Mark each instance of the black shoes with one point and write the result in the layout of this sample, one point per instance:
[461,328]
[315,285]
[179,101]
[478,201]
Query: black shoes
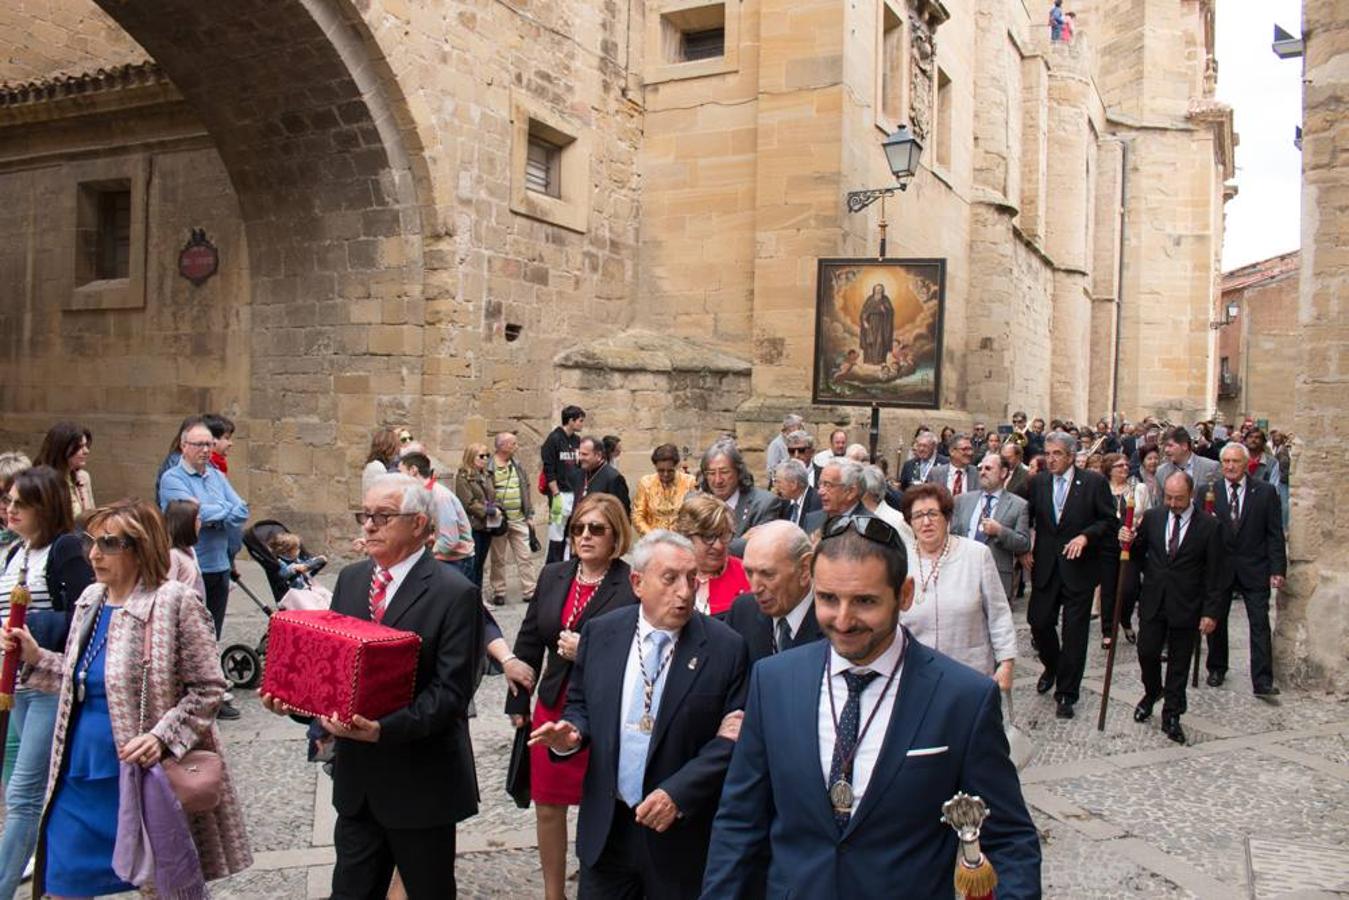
[1064,710]
[227,712]
[1215,678]
[1265,693]
[1045,683]
[1171,728]
[1143,711]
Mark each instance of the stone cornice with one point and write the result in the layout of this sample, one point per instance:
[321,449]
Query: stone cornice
[638,350]
[102,90]
[1218,116]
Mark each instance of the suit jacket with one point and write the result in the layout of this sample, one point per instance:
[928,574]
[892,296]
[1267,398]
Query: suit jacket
[755,505]
[420,773]
[1088,509]
[538,634]
[606,480]
[1181,587]
[1255,546]
[775,821]
[908,474]
[939,475]
[750,623]
[1011,512]
[1204,471]
[686,759]
[1019,482]
[810,502]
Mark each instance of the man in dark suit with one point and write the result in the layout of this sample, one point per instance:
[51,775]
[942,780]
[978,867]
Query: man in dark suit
[401,784]
[598,476]
[1251,521]
[842,483]
[925,456]
[791,482]
[1069,510]
[780,613]
[1178,558]
[649,693]
[725,476]
[957,475]
[850,746]
[1018,478]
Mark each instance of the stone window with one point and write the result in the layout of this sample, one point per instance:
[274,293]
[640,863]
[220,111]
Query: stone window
[550,165]
[103,231]
[892,66]
[942,138]
[691,39]
[105,213]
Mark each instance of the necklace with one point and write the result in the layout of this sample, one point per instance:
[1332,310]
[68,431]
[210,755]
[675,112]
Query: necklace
[582,579]
[841,794]
[91,654]
[645,723]
[578,606]
[930,578]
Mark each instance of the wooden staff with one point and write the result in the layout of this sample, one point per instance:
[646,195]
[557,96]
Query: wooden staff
[1199,641]
[1119,610]
[19,598]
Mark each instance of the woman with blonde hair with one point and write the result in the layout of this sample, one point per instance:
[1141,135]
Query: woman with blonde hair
[139,683]
[478,495]
[706,521]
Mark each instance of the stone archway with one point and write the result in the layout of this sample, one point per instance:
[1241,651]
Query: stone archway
[327,166]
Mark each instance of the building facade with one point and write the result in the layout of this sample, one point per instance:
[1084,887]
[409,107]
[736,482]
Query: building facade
[462,215]
[1258,355]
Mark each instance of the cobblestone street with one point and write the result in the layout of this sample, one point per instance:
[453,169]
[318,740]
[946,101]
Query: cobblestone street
[1255,806]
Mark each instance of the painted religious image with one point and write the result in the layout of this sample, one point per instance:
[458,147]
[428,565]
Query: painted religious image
[878,332]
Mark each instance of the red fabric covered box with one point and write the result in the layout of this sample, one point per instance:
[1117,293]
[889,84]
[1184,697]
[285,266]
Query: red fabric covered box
[319,661]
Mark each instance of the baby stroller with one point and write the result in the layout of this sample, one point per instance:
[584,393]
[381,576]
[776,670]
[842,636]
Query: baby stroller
[241,663]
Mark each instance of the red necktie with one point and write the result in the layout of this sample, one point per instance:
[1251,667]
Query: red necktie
[960,482]
[379,587]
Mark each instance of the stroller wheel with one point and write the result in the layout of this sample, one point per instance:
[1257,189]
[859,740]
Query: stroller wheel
[241,666]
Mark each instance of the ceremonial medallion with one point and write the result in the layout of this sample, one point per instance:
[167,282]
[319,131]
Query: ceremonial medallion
[644,725]
[841,796]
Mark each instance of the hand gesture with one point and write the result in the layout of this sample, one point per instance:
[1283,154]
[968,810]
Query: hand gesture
[1073,549]
[144,750]
[22,641]
[560,736]
[657,812]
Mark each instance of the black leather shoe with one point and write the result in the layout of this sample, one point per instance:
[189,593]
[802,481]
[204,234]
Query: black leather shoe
[1064,710]
[1045,683]
[1171,728]
[227,712]
[1143,711]
[1215,678]
[1270,691]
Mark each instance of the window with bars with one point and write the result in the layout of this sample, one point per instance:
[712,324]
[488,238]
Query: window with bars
[543,167]
[103,231]
[706,44]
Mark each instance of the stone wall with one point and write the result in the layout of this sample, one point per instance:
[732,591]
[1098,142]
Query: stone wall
[1263,343]
[43,38]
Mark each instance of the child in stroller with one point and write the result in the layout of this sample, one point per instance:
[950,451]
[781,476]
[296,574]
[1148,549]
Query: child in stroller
[295,567]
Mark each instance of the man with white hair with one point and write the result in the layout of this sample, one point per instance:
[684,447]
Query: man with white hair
[779,612]
[858,454]
[841,488]
[925,457]
[873,498]
[791,482]
[777,448]
[400,784]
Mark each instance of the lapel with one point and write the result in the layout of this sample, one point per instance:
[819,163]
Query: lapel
[414,586]
[917,685]
[1000,510]
[810,626]
[87,619]
[690,658]
[610,665]
[803,720]
[604,594]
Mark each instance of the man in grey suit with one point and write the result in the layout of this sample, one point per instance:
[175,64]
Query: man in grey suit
[1179,449]
[959,475]
[996,517]
[726,477]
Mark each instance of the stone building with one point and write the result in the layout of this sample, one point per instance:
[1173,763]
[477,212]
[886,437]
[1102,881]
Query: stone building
[463,214]
[1258,354]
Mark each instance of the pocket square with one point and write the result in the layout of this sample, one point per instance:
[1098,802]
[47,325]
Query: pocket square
[927,751]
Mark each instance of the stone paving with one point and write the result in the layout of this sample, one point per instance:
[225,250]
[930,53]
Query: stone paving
[1257,805]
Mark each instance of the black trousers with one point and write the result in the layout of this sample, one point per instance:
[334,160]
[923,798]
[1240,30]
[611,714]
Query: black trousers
[1068,660]
[625,870]
[367,853]
[217,597]
[1262,641]
[1155,635]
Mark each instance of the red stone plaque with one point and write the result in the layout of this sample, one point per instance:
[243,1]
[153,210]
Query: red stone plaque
[199,259]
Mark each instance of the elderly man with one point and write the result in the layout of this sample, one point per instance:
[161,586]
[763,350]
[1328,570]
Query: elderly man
[873,498]
[841,488]
[400,784]
[995,516]
[801,447]
[648,693]
[779,614]
[512,496]
[959,474]
[791,482]
[1071,511]
[925,458]
[725,476]
[1179,449]
[1252,529]
[1018,476]
[598,476]
[850,746]
[837,449]
[777,448]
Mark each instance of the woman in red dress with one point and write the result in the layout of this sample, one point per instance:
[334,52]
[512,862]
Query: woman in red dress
[706,521]
[569,594]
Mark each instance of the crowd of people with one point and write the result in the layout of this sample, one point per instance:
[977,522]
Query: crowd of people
[673,637]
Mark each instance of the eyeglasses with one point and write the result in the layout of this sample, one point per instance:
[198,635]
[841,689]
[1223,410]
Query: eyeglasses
[16,503]
[404,437]
[379,519]
[107,544]
[710,539]
[596,529]
[199,445]
[831,485]
[925,515]
[795,450]
[869,527]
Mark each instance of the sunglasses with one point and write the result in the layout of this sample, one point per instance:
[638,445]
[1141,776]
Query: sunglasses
[596,529]
[484,455]
[379,519]
[869,527]
[795,450]
[107,544]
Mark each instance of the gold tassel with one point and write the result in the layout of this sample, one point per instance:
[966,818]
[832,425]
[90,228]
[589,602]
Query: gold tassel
[19,596]
[6,702]
[977,881]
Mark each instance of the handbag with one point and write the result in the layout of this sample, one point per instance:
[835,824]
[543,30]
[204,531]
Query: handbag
[517,773]
[198,776]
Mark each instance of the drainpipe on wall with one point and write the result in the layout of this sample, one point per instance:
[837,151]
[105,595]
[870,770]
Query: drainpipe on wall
[1119,275]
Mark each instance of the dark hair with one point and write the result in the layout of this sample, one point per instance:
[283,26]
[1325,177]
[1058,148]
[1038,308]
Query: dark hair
[419,461]
[1111,460]
[383,446]
[62,440]
[44,490]
[611,442]
[927,490]
[946,433]
[176,446]
[219,425]
[852,546]
[1144,450]
[1259,432]
[666,453]
[594,442]
[180,520]
[572,413]
[1181,436]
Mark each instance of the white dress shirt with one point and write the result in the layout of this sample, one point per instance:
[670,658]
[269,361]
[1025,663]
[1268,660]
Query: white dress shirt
[797,615]
[979,510]
[632,674]
[1184,525]
[398,572]
[869,747]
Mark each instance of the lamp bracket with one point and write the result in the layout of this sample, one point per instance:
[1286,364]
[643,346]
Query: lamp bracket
[860,200]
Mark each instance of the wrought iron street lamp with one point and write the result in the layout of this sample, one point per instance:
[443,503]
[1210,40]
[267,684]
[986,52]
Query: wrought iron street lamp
[902,151]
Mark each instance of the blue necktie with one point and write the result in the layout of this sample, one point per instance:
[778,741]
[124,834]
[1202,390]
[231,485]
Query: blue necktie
[988,511]
[632,743]
[1060,494]
[845,739]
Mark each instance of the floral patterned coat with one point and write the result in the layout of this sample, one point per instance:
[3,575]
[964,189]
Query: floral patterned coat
[184,690]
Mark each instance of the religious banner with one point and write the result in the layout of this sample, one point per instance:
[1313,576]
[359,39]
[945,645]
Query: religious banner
[878,332]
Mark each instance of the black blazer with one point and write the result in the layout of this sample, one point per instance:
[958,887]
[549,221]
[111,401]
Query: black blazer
[1184,587]
[1088,509]
[706,680]
[67,574]
[908,474]
[607,480]
[543,623]
[420,773]
[1019,482]
[810,502]
[750,623]
[1255,546]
